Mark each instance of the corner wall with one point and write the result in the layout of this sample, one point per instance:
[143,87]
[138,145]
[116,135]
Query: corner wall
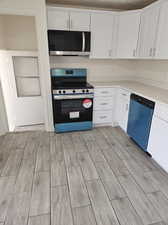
[2,33]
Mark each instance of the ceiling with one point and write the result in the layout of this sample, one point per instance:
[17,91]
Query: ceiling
[104,4]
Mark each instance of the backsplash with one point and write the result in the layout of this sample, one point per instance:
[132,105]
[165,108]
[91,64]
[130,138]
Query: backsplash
[98,70]
[152,72]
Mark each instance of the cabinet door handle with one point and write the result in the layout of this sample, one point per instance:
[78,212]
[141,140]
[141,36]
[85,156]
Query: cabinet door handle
[110,52]
[103,117]
[150,52]
[68,24]
[134,52]
[154,51]
[104,103]
[71,24]
[126,107]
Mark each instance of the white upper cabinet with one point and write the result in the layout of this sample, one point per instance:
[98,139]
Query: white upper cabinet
[148,31]
[162,34]
[103,32]
[68,20]
[79,21]
[128,31]
[132,34]
[58,19]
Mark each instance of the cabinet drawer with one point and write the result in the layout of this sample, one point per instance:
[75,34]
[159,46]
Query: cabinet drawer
[102,117]
[124,94]
[102,103]
[104,92]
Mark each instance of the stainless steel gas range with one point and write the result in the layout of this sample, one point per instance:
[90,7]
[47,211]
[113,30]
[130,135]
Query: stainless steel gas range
[72,100]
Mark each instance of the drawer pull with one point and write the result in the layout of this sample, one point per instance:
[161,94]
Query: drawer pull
[124,94]
[104,92]
[104,104]
[103,117]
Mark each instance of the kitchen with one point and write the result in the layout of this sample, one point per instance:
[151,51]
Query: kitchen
[99,175]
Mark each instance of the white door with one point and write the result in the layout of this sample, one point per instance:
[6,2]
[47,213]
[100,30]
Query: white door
[128,31]
[162,34]
[21,87]
[3,117]
[102,29]
[58,19]
[79,21]
[158,142]
[148,31]
[122,109]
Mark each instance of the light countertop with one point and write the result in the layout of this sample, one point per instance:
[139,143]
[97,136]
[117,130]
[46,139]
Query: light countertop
[153,93]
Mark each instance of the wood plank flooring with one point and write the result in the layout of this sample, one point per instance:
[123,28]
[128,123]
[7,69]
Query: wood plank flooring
[97,177]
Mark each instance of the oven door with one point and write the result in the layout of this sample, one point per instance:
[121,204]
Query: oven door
[73,108]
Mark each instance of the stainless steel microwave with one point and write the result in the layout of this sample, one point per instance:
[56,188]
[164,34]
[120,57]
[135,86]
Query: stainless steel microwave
[69,42]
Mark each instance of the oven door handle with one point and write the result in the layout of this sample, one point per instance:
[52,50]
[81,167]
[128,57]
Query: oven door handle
[64,97]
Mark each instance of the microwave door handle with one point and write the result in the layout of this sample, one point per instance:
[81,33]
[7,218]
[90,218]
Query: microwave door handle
[83,41]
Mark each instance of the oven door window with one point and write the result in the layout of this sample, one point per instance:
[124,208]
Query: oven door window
[73,110]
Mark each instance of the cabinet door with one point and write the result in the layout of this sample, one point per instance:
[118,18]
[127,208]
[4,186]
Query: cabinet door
[148,31]
[122,109]
[102,27]
[79,21]
[58,19]
[157,146]
[128,31]
[162,34]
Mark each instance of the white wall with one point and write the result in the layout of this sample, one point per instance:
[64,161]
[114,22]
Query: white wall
[2,36]
[152,72]
[19,32]
[98,70]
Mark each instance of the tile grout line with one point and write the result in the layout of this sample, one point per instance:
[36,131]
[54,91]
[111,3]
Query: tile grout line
[88,194]
[69,196]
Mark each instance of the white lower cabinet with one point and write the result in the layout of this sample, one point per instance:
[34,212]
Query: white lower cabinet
[158,142]
[111,107]
[122,108]
[103,117]
[103,106]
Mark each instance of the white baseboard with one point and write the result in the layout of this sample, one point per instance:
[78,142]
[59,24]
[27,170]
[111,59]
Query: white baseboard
[30,128]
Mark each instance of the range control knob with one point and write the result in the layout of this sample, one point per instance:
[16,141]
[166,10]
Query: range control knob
[64,92]
[87,90]
[74,91]
[83,91]
[59,92]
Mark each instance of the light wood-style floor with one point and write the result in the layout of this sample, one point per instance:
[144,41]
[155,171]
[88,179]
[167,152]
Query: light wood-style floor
[96,177]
